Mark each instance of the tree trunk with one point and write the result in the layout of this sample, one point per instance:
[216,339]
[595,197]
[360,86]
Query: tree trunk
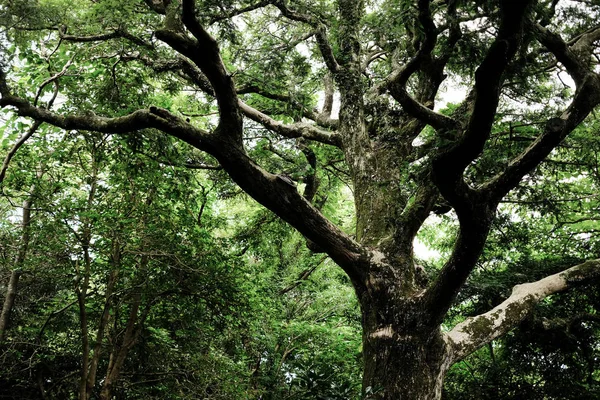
[9,301]
[119,355]
[11,293]
[402,358]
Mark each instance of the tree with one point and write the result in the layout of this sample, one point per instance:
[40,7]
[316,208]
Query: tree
[266,62]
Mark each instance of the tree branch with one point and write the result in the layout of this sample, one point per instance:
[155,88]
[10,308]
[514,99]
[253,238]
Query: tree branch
[396,83]
[563,53]
[118,33]
[272,191]
[475,332]
[290,101]
[475,209]
[450,165]
[297,130]
[16,148]
[320,33]
[587,97]
[252,7]
[204,52]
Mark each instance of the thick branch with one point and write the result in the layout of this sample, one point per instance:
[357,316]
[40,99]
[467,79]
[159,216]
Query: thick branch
[185,68]
[396,83]
[477,331]
[272,191]
[204,52]
[488,79]
[563,53]
[475,210]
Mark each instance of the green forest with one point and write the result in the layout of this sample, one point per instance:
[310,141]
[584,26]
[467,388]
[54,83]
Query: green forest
[296,200]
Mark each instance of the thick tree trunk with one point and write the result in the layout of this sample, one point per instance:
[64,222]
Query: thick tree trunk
[407,368]
[403,358]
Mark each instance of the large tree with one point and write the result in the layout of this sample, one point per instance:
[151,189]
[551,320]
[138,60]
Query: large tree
[261,65]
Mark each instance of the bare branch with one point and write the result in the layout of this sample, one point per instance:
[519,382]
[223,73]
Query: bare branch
[477,331]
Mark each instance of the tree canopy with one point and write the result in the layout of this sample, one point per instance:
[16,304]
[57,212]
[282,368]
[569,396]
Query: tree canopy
[309,199]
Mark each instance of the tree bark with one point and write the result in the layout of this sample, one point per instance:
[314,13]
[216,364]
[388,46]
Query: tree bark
[402,360]
[82,290]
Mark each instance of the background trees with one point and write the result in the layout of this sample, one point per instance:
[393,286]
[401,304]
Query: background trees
[154,249]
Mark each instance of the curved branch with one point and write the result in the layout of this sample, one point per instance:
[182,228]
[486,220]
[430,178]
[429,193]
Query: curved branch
[421,112]
[204,51]
[297,130]
[563,52]
[53,78]
[397,81]
[284,98]
[240,11]
[450,165]
[16,148]
[475,209]
[272,191]
[475,332]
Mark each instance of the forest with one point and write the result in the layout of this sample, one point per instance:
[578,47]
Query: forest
[309,199]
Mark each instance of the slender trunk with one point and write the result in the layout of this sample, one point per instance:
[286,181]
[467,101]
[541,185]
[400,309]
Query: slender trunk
[81,291]
[11,293]
[9,301]
[91,379]
[130,338]
[118,358]
[83,324]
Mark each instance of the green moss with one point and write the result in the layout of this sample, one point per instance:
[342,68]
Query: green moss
[481,326]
